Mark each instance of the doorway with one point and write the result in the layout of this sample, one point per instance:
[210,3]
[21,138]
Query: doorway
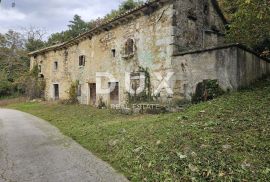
[56,91]
[93,94]
[114,95]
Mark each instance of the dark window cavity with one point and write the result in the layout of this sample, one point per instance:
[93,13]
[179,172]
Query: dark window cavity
[129,47]
[55,65]
[113,53]
[114,95]
[56,91]
[79,90]
[82,60]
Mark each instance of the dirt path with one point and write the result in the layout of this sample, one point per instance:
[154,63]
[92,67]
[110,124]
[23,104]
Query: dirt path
[33,150]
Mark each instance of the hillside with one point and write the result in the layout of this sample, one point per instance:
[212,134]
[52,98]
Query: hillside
[226,139]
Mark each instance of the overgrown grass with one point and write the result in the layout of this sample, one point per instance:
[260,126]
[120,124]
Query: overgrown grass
[4,101]
[227,139]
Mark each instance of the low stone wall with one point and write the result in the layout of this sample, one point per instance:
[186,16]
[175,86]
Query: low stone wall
[250,68]
[232,66]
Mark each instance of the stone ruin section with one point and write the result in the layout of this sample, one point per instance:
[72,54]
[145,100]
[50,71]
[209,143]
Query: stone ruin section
[183,37]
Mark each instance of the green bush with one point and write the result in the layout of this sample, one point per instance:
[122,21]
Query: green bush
[31,85]
[73,93]
[207,90]
[101,103]
[6,88]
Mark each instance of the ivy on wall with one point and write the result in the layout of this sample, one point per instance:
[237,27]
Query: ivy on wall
[146,94]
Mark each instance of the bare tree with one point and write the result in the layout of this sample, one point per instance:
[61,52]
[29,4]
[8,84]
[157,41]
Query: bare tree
[34,37]
[33,32]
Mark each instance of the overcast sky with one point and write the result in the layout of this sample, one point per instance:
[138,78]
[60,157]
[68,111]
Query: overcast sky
[53,15]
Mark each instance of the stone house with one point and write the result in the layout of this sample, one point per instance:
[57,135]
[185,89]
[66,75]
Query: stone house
[182,37]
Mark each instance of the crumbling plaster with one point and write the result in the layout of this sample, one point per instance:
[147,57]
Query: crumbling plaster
[160,38]
[153,39]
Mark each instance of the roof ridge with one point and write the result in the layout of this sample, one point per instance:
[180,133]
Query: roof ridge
[148,3]
[129,12]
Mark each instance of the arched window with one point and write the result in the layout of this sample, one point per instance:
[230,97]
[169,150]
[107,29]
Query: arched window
[129,47]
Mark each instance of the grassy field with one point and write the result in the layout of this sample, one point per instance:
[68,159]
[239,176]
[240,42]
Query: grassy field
[227,139]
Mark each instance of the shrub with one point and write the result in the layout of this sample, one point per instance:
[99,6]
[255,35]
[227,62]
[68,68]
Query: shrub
[6,88]
[31,85]
[207,90]
[101,103]
[73,92]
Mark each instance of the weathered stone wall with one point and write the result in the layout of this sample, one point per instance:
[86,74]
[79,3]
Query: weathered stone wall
[233,67]
[196,25]
[174,27]
[250,68]
[153,50]
[52,76]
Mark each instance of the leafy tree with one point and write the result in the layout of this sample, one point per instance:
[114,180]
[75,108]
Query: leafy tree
[6,87]
[11,52]
[34,38]
[12,40]
[31,85]
[57,38]
[229,7]
[250,22]
[130,4]
[14,62]
[124,6]
[34,44]
[76,27]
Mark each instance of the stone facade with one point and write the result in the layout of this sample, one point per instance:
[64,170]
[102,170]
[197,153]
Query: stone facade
[149,37]
[197,24]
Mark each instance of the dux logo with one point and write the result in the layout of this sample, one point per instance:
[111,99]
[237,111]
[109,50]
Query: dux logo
[141,87]
[164,83]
